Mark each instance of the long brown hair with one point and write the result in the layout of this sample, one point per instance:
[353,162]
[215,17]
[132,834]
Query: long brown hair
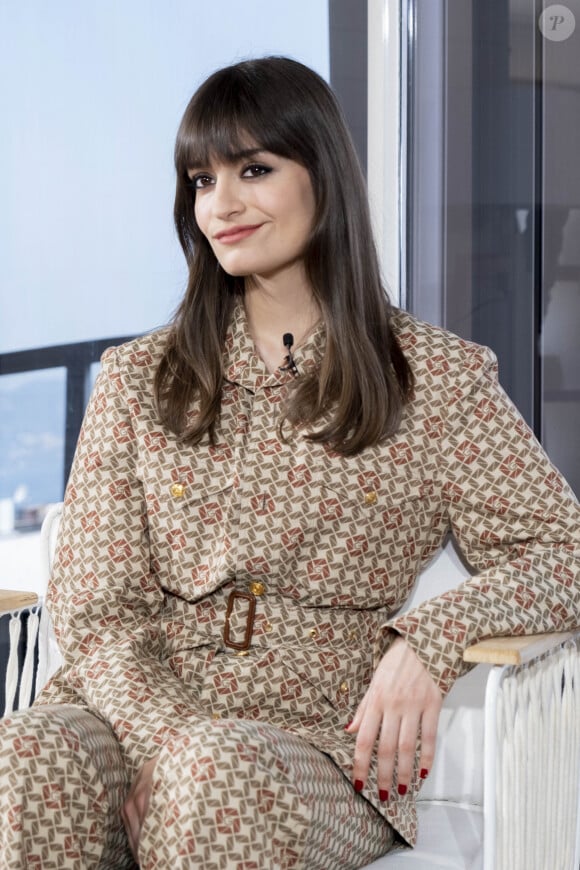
[356,397]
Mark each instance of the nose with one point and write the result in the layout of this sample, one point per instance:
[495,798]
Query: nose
[227,200]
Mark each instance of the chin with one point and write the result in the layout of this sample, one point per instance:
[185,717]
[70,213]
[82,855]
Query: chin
[240,269]
[236,272]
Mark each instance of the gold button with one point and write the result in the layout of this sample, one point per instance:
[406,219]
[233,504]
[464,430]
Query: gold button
[313,632]
[216,715]
[242,652]
[371,498]
[352,634]
[343,688]
[178,490]
[257,588]
[268,627]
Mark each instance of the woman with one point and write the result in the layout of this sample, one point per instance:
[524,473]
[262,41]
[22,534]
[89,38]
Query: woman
[254,492]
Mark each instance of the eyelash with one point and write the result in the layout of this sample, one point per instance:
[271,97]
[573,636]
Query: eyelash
[203,180]
[195,182]
[262,170]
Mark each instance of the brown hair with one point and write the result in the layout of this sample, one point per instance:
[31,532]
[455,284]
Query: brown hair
[357,395]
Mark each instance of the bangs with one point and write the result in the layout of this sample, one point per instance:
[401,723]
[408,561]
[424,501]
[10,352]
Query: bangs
[222,142]
[227,116]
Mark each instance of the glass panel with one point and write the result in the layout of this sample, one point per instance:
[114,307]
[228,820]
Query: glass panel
[560,334]
[494,245]
[32,414]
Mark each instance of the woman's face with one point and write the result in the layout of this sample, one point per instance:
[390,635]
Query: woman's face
[256,212]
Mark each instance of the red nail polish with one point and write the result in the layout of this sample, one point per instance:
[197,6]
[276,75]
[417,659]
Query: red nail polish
[346,727]
[358,785]
[402,789]
[383,795]
[424,773]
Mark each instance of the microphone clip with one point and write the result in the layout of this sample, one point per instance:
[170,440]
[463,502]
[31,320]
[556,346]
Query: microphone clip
[289,364]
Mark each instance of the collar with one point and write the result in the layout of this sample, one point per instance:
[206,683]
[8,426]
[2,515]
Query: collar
[243,365]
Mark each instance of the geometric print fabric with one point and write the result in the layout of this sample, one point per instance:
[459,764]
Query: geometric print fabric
[255,797]
[165,548]
[228,795]
[62,784]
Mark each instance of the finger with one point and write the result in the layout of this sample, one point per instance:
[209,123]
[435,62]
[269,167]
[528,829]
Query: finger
[408,739]
[353,726]
[386,752]
[429,725]
[368,731]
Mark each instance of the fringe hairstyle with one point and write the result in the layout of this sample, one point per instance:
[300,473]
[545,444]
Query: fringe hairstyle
[356,398]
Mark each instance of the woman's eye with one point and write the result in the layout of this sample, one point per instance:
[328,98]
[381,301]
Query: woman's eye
[200,181]
[255,170]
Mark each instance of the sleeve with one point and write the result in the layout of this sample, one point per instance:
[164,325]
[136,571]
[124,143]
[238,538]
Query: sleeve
[104,597]
[517,523]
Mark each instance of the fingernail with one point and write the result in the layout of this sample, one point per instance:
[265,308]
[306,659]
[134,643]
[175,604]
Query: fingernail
[424,773]
[346,727]
[358,785]
[383,794]
[402,789]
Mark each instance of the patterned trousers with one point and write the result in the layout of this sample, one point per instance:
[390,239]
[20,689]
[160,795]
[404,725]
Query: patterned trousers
[228,795]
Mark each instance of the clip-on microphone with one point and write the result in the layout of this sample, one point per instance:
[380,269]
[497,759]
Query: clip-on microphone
[290,365]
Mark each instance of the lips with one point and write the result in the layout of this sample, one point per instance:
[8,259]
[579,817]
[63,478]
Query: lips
[236,234]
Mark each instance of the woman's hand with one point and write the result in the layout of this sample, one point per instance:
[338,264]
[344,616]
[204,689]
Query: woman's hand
[401,700]
[134,809]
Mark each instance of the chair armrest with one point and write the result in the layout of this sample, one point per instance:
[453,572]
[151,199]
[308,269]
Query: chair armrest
[514,650]
[532,754]
[10,600]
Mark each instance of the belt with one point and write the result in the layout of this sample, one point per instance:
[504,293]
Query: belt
[347,625]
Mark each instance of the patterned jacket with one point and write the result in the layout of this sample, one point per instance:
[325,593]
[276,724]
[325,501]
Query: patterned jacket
[166,550]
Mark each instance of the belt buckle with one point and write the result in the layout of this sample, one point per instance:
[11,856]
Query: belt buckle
[251,599]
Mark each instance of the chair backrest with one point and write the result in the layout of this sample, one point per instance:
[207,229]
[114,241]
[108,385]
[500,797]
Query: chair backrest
[48,539]
[49,657]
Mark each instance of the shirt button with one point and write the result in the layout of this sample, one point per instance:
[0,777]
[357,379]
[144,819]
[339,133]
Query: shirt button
[216,715]
[371,498]
[313,632]
[343,688]
[257,588]
[268,627]
[178,490]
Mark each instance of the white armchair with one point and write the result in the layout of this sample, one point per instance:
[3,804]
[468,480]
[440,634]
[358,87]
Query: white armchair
[503,793]
[24,678]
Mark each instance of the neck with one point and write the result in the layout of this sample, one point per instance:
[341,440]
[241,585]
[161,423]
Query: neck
[272,311]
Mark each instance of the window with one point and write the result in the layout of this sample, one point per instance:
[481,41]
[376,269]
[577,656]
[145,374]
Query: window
[493,192]
[32,433]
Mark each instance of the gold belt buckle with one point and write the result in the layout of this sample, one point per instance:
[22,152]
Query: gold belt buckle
[251,599]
